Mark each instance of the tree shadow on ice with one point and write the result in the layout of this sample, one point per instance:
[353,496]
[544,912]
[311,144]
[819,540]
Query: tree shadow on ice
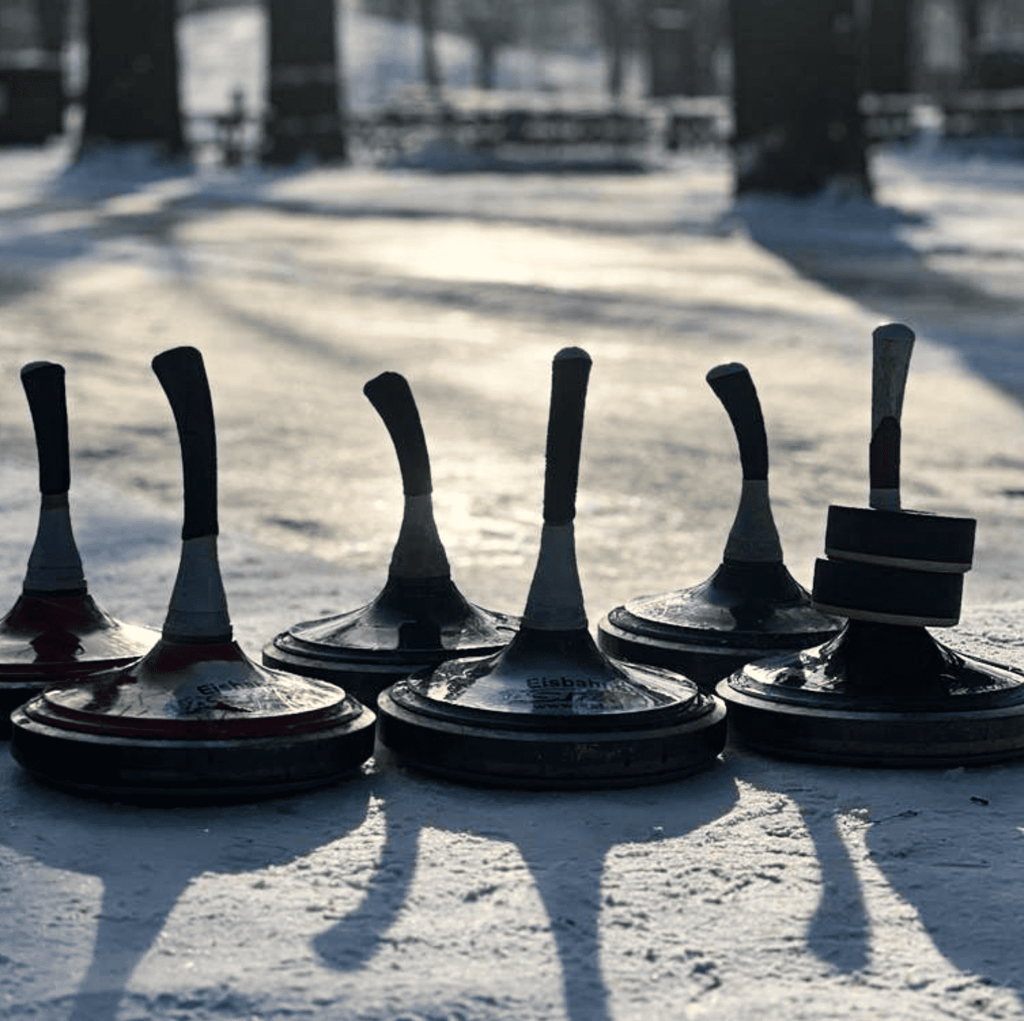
[563,838]
[947,842]
[857,249]
[129,197]
[146,857]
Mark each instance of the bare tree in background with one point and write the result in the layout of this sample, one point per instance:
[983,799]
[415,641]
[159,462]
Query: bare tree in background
[970,19]
[490,25]
[617,24]
[682,39]
[132,90]
[890,47]
[305,105]
[53,17]
[427,10]
[796,92]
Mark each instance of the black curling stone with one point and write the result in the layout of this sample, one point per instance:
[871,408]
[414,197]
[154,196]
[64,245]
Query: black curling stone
[419,618]
[55,631]
[413,624]
[195,722]
[551,711]
[751,605]
[738,614]
[879,695]
[195,719]
[53,637]
[888,595]
[917,540]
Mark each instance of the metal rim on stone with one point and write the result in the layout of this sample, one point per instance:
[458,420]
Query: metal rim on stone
[551,710]
[879,695]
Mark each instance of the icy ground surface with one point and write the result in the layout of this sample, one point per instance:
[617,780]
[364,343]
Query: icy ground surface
[758,889]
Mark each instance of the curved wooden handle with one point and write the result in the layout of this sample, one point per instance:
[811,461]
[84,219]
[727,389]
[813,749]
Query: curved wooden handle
[893,345]
[183,376]
[390,394]
[735,389]
[47,402]
[570,372]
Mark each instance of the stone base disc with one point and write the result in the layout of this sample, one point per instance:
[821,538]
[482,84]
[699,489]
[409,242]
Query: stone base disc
[548,720]
[192,724]
[742,612]
[873,697]
[410,626]
[47,639]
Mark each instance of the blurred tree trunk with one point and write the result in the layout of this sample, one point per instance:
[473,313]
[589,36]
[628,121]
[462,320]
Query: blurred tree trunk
[615,24]
[489,27]
[671,49]
[486,63]
[796,92]
[53,16]
[970,18]
[132,91]
[428,33]
[305,118]
[890,47]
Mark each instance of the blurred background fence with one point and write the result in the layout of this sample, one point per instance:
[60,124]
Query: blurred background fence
[567,81]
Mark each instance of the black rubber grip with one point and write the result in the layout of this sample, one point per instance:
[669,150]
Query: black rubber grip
[570,372]
[735,389]
[44,388]
[390,394]
[884,455]
[183,376]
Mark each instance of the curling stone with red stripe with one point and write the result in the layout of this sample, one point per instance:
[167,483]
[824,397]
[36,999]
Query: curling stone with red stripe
[55,630]
[551,710]
[195,719]
[751,605]
[419,618]
[884,692]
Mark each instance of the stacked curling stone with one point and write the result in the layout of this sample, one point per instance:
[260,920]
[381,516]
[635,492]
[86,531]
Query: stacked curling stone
[884,692]
[885,564]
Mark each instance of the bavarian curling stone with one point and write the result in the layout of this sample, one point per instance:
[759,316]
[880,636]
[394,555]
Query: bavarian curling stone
[419,618]
[751,605]
[195,719]
[550,710]
[884,692]
[55,631]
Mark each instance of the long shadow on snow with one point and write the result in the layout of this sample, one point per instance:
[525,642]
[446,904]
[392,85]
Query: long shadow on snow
[611,310]
[855,249]
[146,857]
[31,253]
[945,841]
[563,839]
[30,248]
